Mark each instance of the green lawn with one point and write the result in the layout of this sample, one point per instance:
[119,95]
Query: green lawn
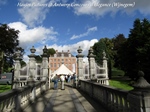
[120,84]
[4,88]
[119,81]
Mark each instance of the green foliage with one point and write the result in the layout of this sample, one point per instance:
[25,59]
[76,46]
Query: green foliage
[134,54]
[38,58]
[117,41]
[120,84]
[104,44]
[98,49]
[9,60]
[117,72]
[4,88]
[23,63]
[8,43]
[119,80]
[51,51]
[109,46]
[8,39]
[129,54]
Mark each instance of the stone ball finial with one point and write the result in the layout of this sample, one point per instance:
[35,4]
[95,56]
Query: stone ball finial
[141,83]
[90,53]
[104,54]
[32,50]
[141,74]
[79,50]
[18,54]
[45,50]
[91,50]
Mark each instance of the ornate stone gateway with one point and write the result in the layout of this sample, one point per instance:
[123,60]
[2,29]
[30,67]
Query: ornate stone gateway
[91,70]
[40,72]
[32,72]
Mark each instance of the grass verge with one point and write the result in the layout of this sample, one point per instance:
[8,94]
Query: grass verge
[4,88]
[120,84]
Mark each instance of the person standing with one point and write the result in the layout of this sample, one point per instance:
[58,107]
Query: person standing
[74,78]
[66,78]
[69,78]
[62,78]
[56,79]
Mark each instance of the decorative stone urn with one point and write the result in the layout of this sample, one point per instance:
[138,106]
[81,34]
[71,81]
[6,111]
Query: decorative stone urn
[93,79]
[139,97]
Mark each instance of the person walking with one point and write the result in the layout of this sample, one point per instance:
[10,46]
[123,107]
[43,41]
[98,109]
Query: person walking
[56,79]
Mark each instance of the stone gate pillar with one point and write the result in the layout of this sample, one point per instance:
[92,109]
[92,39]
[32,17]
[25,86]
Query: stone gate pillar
[105,64]
[45,67]
[91,59]
[139,97]
[32,66]
[17,68]
[80,64]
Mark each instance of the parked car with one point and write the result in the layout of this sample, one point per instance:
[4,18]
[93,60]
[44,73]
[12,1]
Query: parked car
[6,78]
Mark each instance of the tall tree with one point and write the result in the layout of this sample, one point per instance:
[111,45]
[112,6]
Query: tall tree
[117,41]
[104,44]
[98,49]
[134,53]
[109,46]
[8,42]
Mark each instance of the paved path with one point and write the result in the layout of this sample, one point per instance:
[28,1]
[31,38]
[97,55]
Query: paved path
[68,100]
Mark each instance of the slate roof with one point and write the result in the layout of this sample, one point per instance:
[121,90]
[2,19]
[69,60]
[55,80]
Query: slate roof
[59,54]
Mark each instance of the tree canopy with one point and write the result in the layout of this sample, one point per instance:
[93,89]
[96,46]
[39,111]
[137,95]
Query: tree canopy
[98,49]
[8,43]
[134,54]
[104,44]
[8,39]
[130,54]
[118,41]
[51,51]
